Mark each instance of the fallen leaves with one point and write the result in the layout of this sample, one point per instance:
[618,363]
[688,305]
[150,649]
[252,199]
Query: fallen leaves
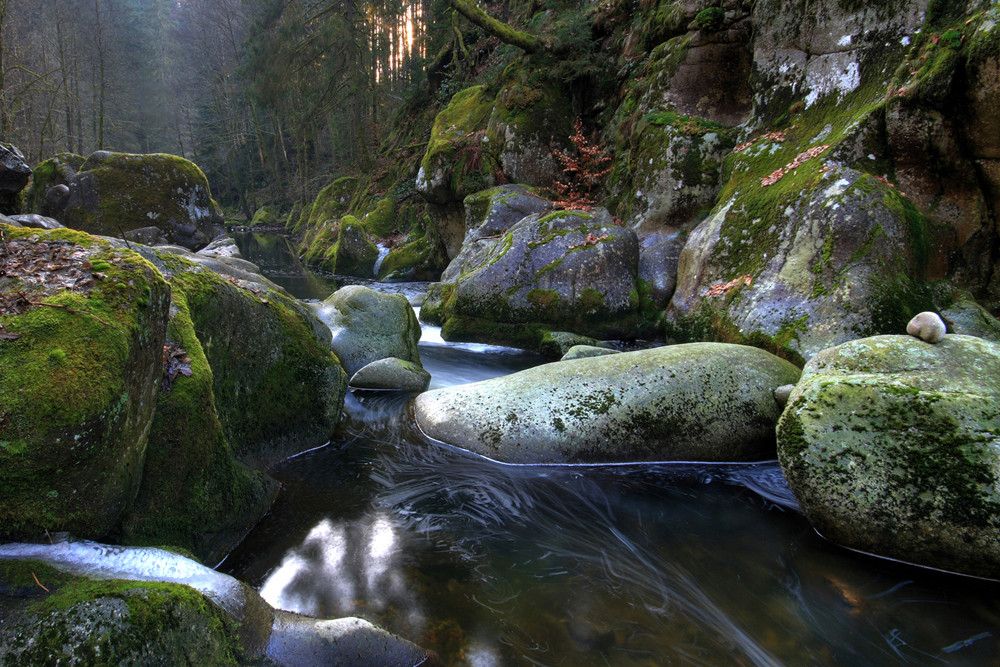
[799,160]
[776,137]
[591,239]
[175,362]
[719,289]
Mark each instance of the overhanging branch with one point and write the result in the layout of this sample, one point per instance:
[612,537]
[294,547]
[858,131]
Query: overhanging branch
[522,40]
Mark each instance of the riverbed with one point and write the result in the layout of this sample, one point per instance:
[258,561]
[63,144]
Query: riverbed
[644,564]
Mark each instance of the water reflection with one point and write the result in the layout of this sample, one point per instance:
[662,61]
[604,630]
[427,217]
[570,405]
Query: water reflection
[344,568]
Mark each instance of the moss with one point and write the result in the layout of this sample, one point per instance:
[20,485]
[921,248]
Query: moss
[467,112]
[194,494]
[381,221]
[55,171]
[591,300]
[73,392]
[123,622]
[543,298]
[265,216]
[711,19]
[471,329]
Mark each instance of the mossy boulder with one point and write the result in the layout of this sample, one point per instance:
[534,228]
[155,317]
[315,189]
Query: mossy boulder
[86,621]
[277,387]
[265,216]
[569,270]
[331,203]
[450,169]
[698,402]
[113,193]
[81,359]
[672,174]
[892,446]
[492,212]
[421,256]
[342,247]
[369,325]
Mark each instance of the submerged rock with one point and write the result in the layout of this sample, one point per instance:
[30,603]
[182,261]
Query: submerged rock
[369,325]
[892,446]
[391,374]
[703,402]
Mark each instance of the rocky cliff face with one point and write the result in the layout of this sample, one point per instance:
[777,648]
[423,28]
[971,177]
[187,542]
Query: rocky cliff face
[829,169]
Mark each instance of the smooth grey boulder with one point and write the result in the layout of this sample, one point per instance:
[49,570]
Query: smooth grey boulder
[491,212]
[702,401]
[347,642]
[891,445]
[586,351]
[391,374]
[222,246]
[568,270]
[36,221]
[369,325]
[147,236]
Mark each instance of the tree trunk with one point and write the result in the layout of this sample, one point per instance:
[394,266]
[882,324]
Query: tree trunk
[522,40]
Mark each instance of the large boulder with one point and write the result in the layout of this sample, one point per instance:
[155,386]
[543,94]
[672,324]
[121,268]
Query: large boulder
[82,328]
[369,325]
[14,175]
[568,270]
[697,402]
[801,266]
[113,193]
[891,445]
[248,379]
[341,247]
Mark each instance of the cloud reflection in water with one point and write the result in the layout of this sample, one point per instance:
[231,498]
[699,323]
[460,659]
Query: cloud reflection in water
[344,568]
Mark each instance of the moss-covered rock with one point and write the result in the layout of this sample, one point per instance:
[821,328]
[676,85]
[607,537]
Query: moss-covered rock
[699,402]
[277,387]
[823,256]
[569,270]
[369,325]
[342,247]
[892,446]
[448,170]
[86,621]
[80,367]
[116,192]
[265,216]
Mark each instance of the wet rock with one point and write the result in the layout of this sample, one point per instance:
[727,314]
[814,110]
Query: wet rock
[369,325]
[391,374]
[491,212]
[49,192]
[703,402]
[891,447]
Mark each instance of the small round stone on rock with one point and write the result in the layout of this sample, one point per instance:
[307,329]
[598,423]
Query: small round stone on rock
[927,326]
[782,393]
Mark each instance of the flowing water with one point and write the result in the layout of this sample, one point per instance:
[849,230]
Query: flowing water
[651,564]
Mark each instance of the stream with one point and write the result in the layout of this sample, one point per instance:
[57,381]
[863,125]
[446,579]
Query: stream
[639,564]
